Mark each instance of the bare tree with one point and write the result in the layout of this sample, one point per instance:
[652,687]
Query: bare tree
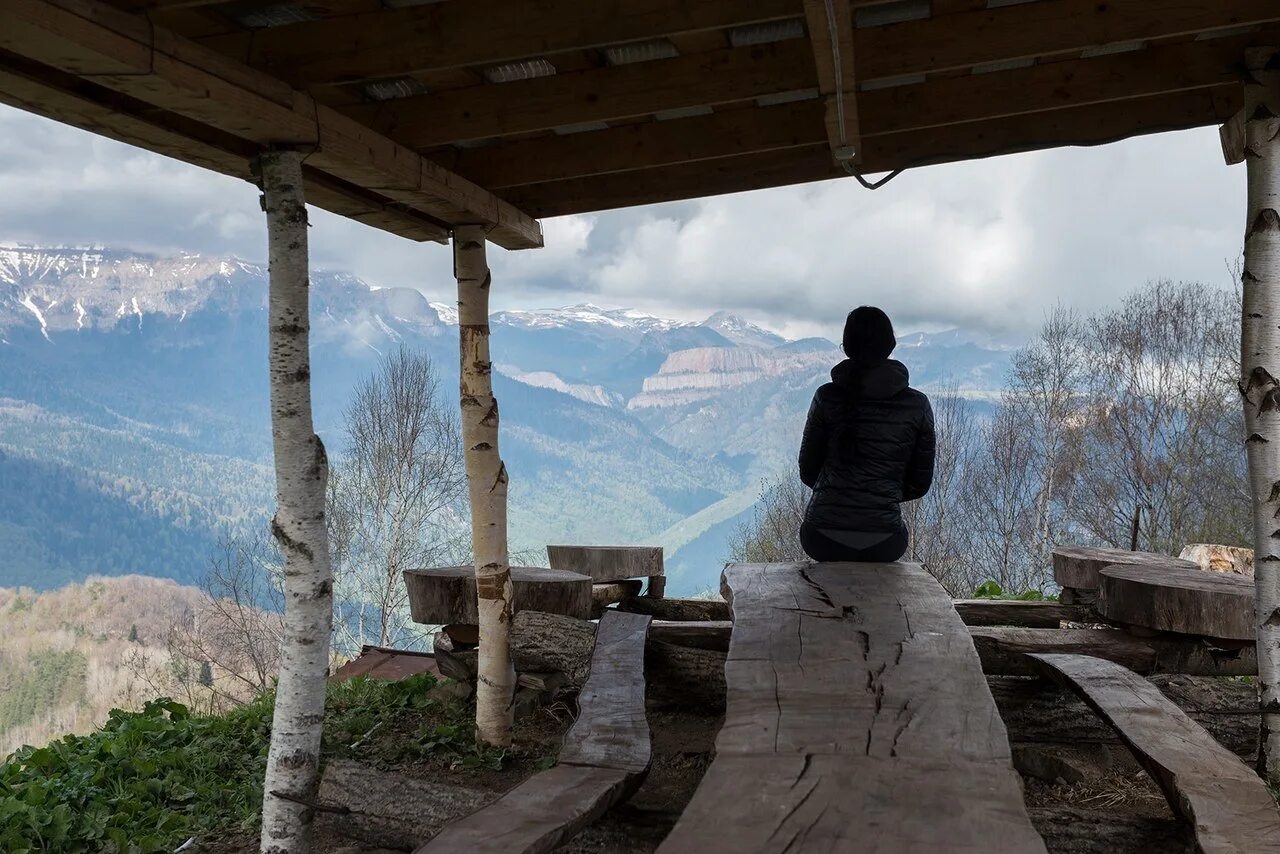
[395,498]
[772,533]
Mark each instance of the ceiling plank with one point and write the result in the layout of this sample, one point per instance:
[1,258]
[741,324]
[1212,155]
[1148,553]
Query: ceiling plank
[1046,27]
[716,77]
[125,54]
[830,25]
[1093,124]
[393,42]
[934,103]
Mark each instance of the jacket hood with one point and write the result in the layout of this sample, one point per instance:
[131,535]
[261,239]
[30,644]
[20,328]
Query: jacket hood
[876,381]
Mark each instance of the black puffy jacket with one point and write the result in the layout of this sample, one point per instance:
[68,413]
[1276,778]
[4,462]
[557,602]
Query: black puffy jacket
[868,446]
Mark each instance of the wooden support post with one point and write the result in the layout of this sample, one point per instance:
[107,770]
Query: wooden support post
[1260,378]
[830,25]
[487,478]
[302,472]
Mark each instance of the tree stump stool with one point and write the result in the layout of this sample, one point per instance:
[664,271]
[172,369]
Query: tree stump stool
[607,564]
[447,594]
[1076,567]
[1172,598]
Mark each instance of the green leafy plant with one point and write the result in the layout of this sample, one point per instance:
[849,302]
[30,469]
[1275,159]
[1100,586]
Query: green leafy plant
[992,590]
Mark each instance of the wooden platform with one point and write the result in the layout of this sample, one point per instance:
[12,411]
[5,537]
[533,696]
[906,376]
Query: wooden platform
[606,754]
[1224,800]
[858,719]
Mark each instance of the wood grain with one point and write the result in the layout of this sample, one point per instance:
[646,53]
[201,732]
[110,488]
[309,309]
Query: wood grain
[1173,598]
[1222,798]
[1078,566]
[605,755]
[857,719]
[1032,615]
[1004,651]
[447,594]
[607,563]
[682,610]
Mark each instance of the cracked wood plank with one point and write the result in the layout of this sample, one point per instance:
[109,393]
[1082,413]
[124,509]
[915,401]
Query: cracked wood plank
[858,718]
[1222,798]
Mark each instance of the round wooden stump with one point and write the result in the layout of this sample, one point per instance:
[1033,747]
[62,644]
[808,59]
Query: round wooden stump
[448,594]
[1077,566]
[1172,598]
[608,563]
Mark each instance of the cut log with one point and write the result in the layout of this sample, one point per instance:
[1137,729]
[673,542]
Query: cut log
[458,664]
[1013,612]
[679,610]
[1174,599]
[677,676]
[657,587]
[384,809]
[1003,651]
[858,719]
[604,595]
[1215,558]
[700,634]
[608,563]
[448,594]
[1222,798]
[605,756]
[1078,567]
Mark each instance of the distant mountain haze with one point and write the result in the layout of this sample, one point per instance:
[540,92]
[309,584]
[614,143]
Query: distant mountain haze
[134,422]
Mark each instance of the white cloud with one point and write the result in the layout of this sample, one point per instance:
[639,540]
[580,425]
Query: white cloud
[986,245]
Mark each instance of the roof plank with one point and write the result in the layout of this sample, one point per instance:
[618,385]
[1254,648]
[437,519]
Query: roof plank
[126,54]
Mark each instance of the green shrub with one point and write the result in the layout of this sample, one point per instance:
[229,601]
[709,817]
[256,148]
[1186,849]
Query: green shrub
[992,590]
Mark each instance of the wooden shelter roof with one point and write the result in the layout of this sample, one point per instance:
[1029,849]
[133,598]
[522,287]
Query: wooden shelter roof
[422,114]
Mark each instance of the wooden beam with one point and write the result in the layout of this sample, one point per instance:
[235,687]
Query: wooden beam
[391,42]
[952,100]
[72,101]
[831,37]
[1028,30]
[1094,124]
[125,54]
[604,94]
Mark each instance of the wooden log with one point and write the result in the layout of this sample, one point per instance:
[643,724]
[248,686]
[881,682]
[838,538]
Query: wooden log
[458,664]
[699,634]
[1176,599]
[1223,799]
[448,594]
[1003,651]
[463,635]
[1014,612]
[680,610]
[1078,566]
[1211,557]
[608,563]
[657,587]
[384,809]
[676,675]
[1078,596]
[604,595]
[606,754]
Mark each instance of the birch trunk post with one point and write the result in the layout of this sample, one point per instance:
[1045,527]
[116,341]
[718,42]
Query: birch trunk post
[302,472]
[1259,386]
[487,482]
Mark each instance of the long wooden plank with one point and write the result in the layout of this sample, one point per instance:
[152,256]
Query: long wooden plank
[128,55]
[1014,612]
[1222,798]
[606,753]
[1095,124]
[1004,651]
[391,42]
[857,719]
[926,105]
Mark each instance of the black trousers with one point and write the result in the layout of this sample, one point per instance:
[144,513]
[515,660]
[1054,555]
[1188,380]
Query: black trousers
[823,549]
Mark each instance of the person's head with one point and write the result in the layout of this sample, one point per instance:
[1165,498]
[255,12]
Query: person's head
[868,335]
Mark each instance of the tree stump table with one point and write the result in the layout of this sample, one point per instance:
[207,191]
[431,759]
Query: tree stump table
[1172,598]
[607,564]
[1076,569]
[447,594]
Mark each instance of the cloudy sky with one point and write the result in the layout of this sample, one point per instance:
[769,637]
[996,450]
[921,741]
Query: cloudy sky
[987,246]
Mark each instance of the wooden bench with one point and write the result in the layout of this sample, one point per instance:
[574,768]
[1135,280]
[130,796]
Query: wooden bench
[1206,784]
[605,756]
[858,719]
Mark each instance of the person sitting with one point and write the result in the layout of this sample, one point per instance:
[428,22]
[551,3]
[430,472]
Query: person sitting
[868,445]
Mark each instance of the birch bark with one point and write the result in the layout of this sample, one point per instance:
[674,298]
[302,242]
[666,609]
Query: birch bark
[1259,386]
[299,524]
[487,483]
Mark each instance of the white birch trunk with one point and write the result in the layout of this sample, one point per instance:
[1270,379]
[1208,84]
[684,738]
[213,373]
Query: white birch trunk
[1260,368]
[299,524]
[487,480]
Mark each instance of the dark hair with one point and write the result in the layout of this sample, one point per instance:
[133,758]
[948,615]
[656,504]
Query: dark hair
[868,335]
